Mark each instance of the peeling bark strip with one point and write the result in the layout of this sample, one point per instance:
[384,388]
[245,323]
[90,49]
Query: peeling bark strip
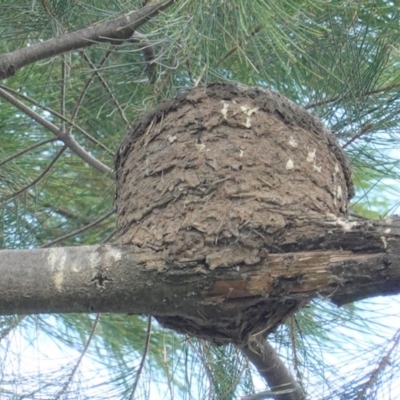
[219,179]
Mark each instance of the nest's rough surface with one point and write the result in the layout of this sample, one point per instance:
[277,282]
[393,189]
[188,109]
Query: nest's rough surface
[223,175]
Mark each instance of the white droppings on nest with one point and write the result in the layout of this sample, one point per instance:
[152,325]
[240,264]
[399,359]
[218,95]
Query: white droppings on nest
[247,124]
[331,216]
[346,225]
[311,156]
[57,260]
[200,146]
[293,142]
[339,193]
[317,168]
[224,110]
[249,111]
[289,164]
[171,138]
[388,230]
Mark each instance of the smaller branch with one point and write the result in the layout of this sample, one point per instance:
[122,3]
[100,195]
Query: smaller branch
[383,363]
[292,336]
[109,237]
[67,139]
[73,372]
[234,49]
[145,351]
[270,366]
[41,176]
[364,129]
[64,212]
[27,150]
[121,28]
[105,85]
[88,82]
[80,230]
[238,47]
[149,54]
[60,116]
[63,88]
[17,319]
[325,102]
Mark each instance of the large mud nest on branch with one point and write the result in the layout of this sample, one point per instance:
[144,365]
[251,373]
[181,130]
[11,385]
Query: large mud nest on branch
[221,176]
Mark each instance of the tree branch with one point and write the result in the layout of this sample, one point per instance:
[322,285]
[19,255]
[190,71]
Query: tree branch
[68,140]
[119,29]
[80,230]
[62,118]
[142,361]
[27,150]
[383,363]
[40,177]
[270,366]
[223,304]
[103,82]
[64,389]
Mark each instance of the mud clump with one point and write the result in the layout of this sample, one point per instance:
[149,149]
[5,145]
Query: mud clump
[218,178]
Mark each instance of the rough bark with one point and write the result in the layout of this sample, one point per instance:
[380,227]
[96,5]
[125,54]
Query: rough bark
[221,177]
[353,261]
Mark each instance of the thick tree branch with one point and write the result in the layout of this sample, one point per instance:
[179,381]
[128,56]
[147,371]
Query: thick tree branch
[121,28]
[344,266]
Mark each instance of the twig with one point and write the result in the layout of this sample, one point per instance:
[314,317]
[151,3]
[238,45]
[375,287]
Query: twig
[105,85]
[121,28]
[109,237]
[325,102]
[35,181]
[142,361]
[365,129]
[149,54]
[27,150]
[80,230]
[293,341]
[89,81]
[73,372]
[67,139]
[83,219]
[63,89]
[383,363]
[61,117]
[234,49]
[17,319]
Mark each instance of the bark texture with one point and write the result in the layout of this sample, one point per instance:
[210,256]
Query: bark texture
[127,279]
[218,179]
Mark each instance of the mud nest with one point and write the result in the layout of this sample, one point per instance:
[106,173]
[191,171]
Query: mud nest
[220,177]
